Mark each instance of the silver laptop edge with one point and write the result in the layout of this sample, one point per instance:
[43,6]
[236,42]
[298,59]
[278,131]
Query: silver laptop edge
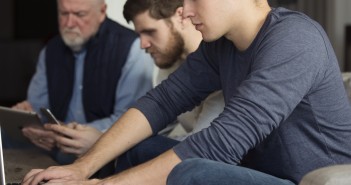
[3,181]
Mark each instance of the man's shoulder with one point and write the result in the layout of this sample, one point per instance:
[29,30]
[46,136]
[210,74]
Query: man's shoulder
[285,19]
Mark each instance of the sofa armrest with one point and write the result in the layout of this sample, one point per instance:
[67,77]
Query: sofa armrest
[331,175]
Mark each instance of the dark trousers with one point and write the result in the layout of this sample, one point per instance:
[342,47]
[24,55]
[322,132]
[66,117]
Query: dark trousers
[144,151]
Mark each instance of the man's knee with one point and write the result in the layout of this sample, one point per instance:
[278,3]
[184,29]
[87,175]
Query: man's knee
[190,171]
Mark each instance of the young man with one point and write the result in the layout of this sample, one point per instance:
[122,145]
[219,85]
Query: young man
[286,109]
[88,76]
[169,39]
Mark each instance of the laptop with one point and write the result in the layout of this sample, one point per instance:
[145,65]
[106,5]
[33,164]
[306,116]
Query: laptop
[2,166]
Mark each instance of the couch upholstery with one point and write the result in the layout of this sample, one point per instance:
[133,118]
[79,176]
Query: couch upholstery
[332,175]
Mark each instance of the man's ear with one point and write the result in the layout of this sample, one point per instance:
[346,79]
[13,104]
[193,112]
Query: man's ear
[178,17]
[179,13]
[103,12]
[184,22]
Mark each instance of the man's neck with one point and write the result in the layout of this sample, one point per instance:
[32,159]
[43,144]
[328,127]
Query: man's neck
[243,36]
[192,39]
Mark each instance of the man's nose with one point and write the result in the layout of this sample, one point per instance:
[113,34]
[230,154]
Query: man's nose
[71,22]
[188,9]
[144,42]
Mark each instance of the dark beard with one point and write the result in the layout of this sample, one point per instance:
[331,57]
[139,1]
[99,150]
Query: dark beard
[175,50]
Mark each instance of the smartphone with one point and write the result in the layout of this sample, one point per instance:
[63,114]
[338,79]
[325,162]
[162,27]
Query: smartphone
[51,118]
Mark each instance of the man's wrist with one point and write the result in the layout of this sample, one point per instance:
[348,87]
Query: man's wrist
[87,170]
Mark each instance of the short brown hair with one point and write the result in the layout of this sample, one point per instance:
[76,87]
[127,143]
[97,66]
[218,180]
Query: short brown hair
[159,9]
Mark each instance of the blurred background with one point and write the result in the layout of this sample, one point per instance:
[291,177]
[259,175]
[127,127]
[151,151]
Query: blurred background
[26,25]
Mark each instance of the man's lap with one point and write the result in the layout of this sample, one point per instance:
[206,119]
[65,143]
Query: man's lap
[204,171]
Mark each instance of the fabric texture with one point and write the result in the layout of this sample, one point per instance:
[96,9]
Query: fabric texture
[203,171]
[144,151]
[200,116]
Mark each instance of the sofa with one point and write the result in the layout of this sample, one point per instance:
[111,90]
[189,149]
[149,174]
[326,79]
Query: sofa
[332,175]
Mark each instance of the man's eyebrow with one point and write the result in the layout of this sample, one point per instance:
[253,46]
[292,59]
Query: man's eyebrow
[73,12]
[147,30]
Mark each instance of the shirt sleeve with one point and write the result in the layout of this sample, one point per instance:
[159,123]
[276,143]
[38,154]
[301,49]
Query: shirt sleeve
[280,81]
[183,90]
[37,94]
[135,81]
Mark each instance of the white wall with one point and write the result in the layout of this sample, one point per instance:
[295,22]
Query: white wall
[115,11]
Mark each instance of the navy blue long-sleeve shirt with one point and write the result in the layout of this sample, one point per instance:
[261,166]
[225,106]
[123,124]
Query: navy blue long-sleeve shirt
[286,111]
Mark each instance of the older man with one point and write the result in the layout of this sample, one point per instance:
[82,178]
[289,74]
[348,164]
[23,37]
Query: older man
[88,76]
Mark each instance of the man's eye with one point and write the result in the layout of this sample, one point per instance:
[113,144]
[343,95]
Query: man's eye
[149,33]
[80,14]
[63,13]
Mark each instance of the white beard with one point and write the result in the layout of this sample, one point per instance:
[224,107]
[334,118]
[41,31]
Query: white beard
[73,39]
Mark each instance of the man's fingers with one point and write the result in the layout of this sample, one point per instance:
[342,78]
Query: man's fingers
[72,125]
[29,176]
[68,142]
[72,182]
[37,132]
[40,137]
[49,140]
[43,176]
[63,130]
[42,144]
[70,150]
[25,105]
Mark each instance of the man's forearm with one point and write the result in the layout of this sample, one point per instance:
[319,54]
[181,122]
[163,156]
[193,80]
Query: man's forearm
[129,130]
[154,172]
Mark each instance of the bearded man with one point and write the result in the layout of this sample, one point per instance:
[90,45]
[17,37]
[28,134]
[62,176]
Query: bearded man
[169,38]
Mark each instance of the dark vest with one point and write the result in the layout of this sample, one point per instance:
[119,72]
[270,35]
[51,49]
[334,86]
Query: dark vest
[106,55]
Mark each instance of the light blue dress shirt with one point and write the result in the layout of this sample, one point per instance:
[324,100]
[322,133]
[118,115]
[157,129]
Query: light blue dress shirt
[135,81]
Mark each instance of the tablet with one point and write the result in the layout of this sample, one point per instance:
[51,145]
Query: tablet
[12,121]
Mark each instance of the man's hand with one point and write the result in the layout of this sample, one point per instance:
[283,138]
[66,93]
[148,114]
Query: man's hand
[74,138]
[74,182]
[58,174]
[39,136]
[25,105]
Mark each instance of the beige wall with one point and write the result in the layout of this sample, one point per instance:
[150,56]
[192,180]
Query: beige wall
[115,11]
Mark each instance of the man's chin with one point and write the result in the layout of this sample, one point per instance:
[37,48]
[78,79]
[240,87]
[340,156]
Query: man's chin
[76,48]
[74,45]
[164,65]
